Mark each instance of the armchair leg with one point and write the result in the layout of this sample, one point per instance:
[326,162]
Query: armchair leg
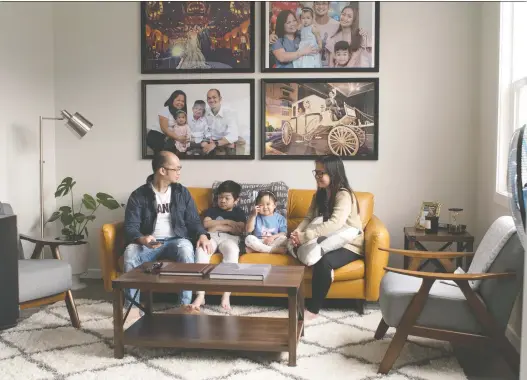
[405,324]
[72,310]
[381,330]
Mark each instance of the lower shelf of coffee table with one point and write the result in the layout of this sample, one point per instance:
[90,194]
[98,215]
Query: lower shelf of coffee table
[211,331]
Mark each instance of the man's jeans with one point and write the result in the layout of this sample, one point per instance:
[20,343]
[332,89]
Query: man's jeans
[180,250]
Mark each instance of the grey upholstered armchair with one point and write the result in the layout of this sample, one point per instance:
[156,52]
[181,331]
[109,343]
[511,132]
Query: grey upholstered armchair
[467,308]
[43,281]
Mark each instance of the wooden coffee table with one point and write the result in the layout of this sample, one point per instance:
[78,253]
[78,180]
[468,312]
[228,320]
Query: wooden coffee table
[158,329]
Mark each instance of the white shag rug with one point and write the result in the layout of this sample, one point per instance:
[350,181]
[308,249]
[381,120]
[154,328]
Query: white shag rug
[339,344]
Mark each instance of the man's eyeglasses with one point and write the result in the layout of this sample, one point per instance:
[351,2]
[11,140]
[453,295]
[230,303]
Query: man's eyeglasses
[177,170]
[318,173]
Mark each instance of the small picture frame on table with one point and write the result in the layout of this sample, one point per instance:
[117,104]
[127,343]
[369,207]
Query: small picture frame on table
[428,209]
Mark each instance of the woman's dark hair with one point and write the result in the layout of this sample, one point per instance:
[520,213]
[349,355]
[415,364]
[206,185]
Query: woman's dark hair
[170,102]
[356,38]
[334,168]
[262,194]
[281,19]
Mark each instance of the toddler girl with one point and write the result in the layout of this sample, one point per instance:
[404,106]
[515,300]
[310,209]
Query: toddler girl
[182,130]
[309,36]
[267,228]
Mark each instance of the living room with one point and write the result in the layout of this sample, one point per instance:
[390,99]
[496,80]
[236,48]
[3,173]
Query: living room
[438,110]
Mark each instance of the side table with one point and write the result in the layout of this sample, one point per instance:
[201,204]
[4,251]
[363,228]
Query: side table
[414,239]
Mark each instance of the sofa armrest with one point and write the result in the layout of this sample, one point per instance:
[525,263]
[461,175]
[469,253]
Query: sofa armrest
[375,236]
[112,245]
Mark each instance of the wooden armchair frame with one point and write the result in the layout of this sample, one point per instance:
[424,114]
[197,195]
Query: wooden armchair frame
[494,336]
[67,296]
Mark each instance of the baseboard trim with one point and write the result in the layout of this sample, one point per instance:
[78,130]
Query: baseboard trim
[513,338]
[92,273]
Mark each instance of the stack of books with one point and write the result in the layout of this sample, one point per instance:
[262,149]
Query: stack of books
[184,269]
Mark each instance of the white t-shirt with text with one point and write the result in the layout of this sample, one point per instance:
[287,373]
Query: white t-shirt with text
[163,227]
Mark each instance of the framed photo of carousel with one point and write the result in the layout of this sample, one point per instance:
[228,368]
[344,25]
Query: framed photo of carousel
[307,118]
[320,36]
[197,37]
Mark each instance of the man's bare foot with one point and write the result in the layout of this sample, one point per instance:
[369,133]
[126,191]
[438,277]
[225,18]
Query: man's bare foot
[226,301]
[309,316]
[281,250]
[198,302]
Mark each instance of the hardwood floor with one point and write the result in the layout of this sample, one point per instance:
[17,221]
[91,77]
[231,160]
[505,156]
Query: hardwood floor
[478,365]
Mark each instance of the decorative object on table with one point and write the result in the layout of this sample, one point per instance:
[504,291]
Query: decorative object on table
[326,27]
[455,225]
[309,118]
[74,226]
[215,115]
[197,37]
[77,124]
[432,224]
[428,209]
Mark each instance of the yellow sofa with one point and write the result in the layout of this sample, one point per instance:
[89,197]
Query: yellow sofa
[358,280]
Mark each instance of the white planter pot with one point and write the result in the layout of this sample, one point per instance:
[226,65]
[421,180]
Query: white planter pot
[77,257]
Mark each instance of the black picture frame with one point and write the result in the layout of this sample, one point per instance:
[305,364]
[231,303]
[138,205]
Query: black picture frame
[245,44]
[242,107]
[266,53]
[308,135]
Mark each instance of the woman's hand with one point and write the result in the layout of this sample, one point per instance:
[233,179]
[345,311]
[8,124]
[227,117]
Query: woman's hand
[307,50]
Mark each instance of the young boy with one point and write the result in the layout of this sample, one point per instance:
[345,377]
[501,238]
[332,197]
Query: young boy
[225,223]
[342,54]
[199,128]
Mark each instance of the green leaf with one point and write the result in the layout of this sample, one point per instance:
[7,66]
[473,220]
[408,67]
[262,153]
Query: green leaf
[66,219]
[66,232]
[79,217]
[64,187]
[89,202]
[107,201]
[54,216]
[66,209]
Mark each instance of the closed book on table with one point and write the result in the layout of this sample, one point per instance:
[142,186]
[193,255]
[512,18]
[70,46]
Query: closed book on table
[229,271]
[183,269]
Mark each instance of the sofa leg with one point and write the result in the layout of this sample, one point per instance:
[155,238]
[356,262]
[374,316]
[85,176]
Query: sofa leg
[360,306]
[381,330]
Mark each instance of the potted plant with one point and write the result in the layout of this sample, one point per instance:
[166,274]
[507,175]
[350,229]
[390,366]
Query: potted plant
[74,226]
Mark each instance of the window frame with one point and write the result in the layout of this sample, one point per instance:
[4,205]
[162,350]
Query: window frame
[508,101]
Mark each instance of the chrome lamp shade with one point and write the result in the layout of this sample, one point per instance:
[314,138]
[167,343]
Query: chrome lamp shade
[77,123]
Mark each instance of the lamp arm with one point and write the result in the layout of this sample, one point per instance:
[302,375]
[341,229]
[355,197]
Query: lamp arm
[42,170]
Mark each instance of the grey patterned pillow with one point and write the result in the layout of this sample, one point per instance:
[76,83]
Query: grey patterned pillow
[250,190]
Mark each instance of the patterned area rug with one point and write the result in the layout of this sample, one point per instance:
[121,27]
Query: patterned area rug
[337,345]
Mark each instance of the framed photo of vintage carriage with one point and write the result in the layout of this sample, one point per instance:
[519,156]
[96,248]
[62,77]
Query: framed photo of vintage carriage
[320,36]
[197,37]
[198,118]
[307,118]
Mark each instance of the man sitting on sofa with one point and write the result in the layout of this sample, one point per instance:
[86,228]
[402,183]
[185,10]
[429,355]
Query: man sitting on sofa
[160,221]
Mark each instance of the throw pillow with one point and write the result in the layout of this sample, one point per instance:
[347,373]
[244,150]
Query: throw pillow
[312,251]
[249,192]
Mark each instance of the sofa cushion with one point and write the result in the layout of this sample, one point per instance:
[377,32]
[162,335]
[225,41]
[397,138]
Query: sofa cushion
[42,278]
[249,191]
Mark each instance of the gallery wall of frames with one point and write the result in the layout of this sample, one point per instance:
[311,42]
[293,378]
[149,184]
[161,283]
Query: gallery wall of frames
[300,118]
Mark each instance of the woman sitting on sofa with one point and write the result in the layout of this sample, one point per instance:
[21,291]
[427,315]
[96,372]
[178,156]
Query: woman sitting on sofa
[333,208]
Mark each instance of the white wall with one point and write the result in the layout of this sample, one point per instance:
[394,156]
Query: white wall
[26,92]
[428,52]
[489,207]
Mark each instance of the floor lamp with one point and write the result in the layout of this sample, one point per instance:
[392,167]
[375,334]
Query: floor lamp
[79,126]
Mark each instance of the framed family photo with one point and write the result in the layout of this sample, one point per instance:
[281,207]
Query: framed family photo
[198,118]
[320,36]
[197,36]
[307,118]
